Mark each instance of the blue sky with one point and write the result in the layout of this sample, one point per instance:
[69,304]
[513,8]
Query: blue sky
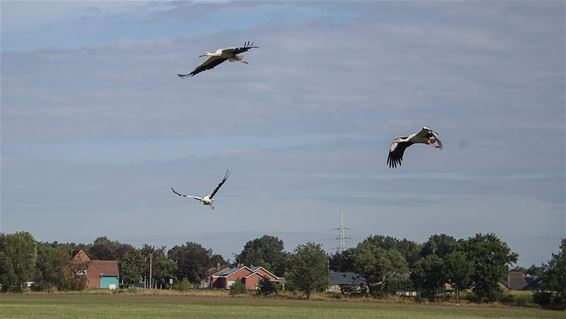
[96,127]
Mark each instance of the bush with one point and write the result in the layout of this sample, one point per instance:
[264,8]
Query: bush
[266,287]
[549,300]
[238,288]
[334,294]
[184,285]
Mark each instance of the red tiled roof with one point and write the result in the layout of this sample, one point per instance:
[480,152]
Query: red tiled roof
[104,267]
[80,257]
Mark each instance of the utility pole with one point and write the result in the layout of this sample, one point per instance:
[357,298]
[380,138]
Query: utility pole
[150,268]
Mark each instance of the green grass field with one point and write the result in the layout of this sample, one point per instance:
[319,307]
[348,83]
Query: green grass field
[46,306]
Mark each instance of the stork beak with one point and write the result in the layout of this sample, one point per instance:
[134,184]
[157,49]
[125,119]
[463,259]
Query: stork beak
[200,56]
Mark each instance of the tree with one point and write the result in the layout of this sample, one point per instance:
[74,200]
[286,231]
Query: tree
[408,249]
[308,268]
[553,288]
[428,276]
[192,261]
[163,268]
[51,265]
[378,265]
[18,255]
[440,245]
[267,251]
[132,267]
[490,258]
[105,249]
[342,261]
[266,287]
[458,270]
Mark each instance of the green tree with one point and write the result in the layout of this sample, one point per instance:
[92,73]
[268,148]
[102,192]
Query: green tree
[164,268]
[106,249]
[378,265]
[458,270]
[267,251]
[192,261]
[553,288]
[439,245]
[408,249]
[342,261]
[428,276]
[490,258]
[51,265]
[266,287]
[132,267]
[18,255]
[75,278]
[308,268]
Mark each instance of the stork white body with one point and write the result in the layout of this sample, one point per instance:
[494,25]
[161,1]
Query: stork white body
[208,199]
[219,56]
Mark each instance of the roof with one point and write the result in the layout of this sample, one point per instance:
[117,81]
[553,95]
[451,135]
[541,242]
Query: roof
[346,278]
[103,267]
[215,271]
[518,281]
[80,256]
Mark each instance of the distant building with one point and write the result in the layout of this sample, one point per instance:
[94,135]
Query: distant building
[250,276]
[516,280]
[347,282]
[99,273]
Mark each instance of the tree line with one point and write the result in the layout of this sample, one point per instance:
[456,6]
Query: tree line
[476,265]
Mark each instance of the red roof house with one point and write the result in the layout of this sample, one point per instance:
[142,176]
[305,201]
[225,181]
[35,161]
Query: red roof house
[99,273]
[250,276]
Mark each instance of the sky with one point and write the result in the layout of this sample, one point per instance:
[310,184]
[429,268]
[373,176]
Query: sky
[96,126]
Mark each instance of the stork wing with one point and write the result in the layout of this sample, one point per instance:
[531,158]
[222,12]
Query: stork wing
[396,151]
[226,175]
[424,133]
[247,45]
[206,65]
[427,134]
[437,143]
[174,191]
[183,195]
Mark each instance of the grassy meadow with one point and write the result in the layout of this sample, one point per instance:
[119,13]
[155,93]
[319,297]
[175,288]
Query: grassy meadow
[63,305]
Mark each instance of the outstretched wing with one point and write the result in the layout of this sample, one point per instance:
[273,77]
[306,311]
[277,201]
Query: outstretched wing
[174,191]
[183,195]
[206,65]
[247,45]
[396,151]
[226,175]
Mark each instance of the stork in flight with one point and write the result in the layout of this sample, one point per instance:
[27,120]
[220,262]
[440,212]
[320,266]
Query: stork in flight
[206,200]
[219,56]
[399,144]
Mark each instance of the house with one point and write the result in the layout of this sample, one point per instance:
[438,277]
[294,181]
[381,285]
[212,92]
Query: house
[205,283]
[346,282]
[516,280]
[99,273]
[250,276]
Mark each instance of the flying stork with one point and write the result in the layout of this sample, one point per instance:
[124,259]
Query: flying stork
[399,144]
[219,56]
[206,200]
